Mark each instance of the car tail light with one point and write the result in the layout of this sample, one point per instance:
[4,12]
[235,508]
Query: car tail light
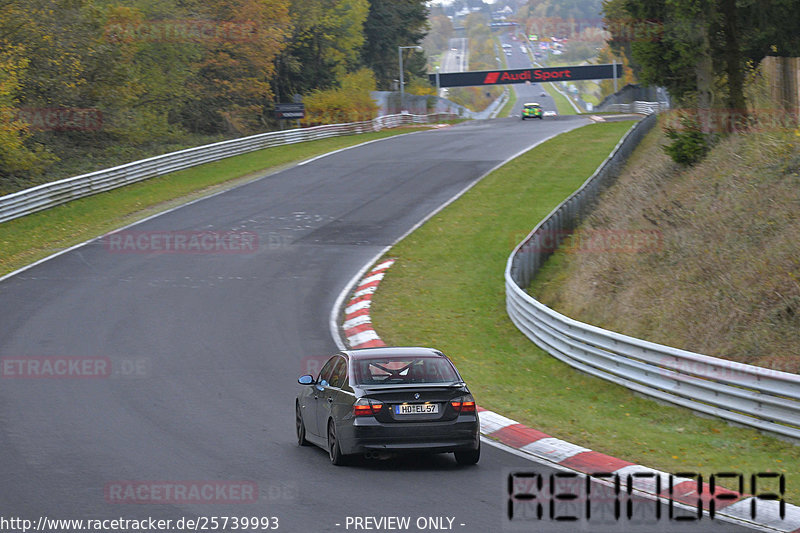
[464,404]
[366,407]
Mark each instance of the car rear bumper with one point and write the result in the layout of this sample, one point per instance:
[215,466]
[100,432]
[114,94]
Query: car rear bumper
[367,434]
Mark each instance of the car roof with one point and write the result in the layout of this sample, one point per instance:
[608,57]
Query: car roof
[535,104]
[393,351]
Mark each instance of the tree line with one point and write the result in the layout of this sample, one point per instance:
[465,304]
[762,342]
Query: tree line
[703,51]
[83,75]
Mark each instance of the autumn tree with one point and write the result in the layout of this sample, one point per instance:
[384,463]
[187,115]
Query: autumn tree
[349,102]
[16,159]
[701,48]
[439,35]
[393,23]
[582,10]
[142,83]
[325,44]
[177,71]
[231,81]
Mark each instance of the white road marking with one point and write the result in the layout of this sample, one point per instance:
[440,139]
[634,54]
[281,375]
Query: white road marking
[364,336]
[370,279]
[358,306]
[554,449]
[357,321]
[364,292]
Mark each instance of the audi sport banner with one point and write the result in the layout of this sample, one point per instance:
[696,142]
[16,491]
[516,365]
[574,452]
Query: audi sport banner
[522,75]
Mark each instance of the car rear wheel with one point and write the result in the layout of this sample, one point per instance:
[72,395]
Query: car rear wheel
[301,428]
[334,451]
[468,457]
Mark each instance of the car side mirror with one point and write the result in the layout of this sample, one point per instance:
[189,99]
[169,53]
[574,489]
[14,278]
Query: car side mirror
[306,380]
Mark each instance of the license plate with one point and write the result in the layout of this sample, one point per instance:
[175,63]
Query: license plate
[416,409]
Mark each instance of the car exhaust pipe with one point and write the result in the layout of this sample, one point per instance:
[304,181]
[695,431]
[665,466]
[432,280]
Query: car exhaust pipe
[378,455]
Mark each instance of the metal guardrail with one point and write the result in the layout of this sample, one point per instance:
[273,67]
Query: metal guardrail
[645,108]
[59,192]
[744,394]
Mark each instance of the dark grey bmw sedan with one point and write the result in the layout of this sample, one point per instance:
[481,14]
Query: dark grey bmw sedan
[395,399]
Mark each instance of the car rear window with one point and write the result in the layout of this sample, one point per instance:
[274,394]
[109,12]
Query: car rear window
[394,370]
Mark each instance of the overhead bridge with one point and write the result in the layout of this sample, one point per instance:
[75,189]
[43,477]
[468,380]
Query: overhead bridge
[524,75]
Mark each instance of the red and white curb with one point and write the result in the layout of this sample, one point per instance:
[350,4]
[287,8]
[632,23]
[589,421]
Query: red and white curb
[359,333]
[357,325]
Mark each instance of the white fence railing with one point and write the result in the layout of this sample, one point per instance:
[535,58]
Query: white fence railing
[759,397]
[645,108]
[59,192]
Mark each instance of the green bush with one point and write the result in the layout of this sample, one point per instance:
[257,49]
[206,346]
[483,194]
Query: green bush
[689,144]
[350,102]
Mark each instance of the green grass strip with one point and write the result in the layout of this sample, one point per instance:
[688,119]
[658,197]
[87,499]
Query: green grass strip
[562,104]
[447,291]
[32,237]
[508,108]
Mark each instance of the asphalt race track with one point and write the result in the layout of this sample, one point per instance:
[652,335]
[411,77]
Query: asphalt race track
[526,92]
[222,337]
[205,349]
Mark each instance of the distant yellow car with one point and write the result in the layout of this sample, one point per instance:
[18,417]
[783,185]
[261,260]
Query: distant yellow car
[531,110]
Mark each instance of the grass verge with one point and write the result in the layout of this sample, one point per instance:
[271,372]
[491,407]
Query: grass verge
[728,236]
[562,104]
[508,108]
[446,290]
[32,237]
